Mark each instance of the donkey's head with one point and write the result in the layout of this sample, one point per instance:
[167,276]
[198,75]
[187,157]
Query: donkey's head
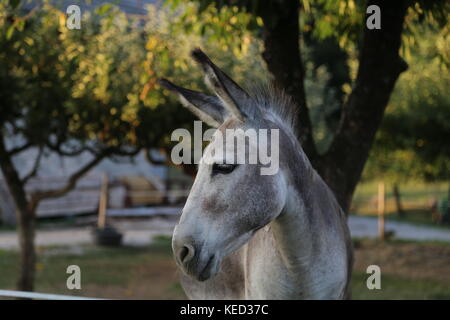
[228,202]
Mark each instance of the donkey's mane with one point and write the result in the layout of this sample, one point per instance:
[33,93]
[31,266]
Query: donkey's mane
[271,99]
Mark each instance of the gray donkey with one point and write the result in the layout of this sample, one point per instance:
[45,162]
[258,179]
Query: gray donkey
[243,235]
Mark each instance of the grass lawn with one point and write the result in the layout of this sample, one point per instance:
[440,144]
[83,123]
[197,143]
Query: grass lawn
[410,270]
[118,273]
[398,287]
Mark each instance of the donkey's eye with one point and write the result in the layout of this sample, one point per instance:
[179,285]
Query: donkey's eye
[223,168]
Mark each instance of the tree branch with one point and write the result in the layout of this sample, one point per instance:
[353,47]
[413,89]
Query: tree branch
[40,195]
[35,168]
[17,150]
[58,148]
[72,181]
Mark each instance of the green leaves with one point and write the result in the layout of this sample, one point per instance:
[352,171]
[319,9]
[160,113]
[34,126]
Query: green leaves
[53,99]
[14,3]
[18,24]
[10,32]
[413,140]
[341,20]
[103,9]
[98,85]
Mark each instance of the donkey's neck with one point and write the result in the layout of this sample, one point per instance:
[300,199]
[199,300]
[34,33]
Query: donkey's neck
[295,228]
[304,231]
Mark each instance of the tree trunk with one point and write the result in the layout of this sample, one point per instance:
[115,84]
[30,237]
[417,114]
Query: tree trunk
[379,68]
[282,55]
[27,228]
[398,200]
[25,217]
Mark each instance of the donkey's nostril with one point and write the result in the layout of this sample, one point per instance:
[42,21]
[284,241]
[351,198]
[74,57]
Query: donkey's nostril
[183,253]
[186,253]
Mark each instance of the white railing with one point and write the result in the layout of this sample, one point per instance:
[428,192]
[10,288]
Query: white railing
[40,296]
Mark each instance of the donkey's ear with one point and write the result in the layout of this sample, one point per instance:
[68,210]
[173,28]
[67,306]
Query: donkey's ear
[207,108]
[234,98]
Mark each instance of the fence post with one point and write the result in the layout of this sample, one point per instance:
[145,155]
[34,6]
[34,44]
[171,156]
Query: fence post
[381,209]
[103,202]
